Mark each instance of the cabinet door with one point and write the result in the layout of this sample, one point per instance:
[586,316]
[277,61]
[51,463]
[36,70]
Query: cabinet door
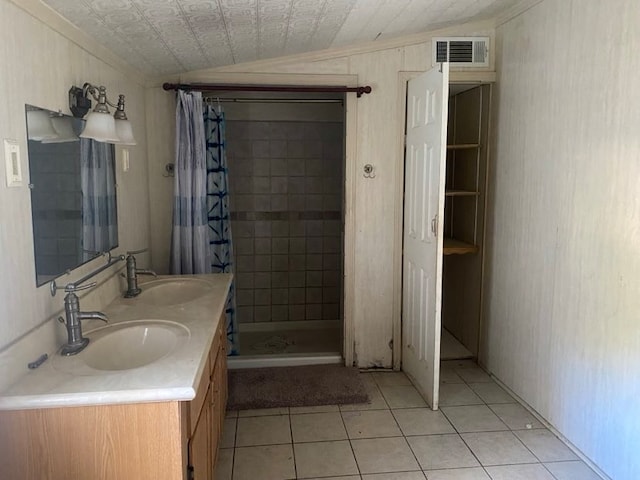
[215,425]
[200,444]
[222,365]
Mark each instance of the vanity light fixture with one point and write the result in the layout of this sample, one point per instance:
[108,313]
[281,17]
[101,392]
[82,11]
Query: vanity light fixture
[64,129]
[101,126]
[40,127]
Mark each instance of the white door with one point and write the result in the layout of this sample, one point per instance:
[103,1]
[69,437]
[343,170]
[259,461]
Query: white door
[425,163]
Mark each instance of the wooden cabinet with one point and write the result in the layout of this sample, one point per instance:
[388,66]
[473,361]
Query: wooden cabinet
[164,440]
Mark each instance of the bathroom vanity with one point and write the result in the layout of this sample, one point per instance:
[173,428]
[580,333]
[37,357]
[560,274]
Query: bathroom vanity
[145,400]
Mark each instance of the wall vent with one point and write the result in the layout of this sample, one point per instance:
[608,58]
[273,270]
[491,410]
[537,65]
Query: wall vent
[461,51]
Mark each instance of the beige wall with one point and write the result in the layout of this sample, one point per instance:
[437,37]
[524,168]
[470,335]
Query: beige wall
[39,66]
[377,201]
[563,302]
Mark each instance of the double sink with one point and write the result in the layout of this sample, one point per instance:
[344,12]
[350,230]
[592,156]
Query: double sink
[136,343]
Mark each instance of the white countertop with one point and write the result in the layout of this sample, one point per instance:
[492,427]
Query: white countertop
[172,378]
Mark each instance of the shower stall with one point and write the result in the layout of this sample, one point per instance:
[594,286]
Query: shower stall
[285,156]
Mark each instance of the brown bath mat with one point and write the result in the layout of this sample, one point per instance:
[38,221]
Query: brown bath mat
[295,387]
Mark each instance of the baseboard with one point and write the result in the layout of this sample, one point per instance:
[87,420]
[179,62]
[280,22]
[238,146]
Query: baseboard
[283,360]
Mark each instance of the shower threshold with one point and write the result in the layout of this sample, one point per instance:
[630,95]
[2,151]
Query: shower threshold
[283,360]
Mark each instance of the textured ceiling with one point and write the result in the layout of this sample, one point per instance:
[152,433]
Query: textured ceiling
[173,36]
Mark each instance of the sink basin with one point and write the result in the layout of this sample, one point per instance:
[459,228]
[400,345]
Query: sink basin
[128,345]
[173,292]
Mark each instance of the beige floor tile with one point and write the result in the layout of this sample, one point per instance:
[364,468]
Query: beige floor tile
[515,416]
[422,421]
[381,455]
[317,409]
[476,473]
[224,464]
[571,471]
[371,424]
[545,445]
[450,376]
[455,364]
[458,394]
[395,476]
[324,459]
[348,477]
[498,448]
[391,378]
[473,375]
[519,472]
[228,433]
[436,452]
[402,396]
[270,430]
[317,427]
[474,418]
[376,400]
[261,412]
[491,392]
[271,462]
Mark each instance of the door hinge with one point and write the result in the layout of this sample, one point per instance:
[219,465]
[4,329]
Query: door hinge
[391,344]
[190,475]
[434,225]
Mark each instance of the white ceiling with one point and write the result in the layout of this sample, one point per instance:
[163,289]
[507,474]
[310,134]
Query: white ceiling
[173,36]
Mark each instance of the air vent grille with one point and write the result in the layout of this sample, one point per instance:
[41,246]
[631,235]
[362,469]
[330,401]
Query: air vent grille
[463,51]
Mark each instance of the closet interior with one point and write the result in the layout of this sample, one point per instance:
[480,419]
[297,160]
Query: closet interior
[464,220]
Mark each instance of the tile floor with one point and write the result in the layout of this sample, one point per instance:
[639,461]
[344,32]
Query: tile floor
[480,433]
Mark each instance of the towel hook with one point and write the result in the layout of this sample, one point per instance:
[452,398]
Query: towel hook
[369,171]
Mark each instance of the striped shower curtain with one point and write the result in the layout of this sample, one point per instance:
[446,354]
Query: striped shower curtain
[190,251]
[98,182]
[219,220]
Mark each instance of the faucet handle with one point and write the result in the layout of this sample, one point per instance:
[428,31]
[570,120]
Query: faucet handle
[71,288]
[135,252]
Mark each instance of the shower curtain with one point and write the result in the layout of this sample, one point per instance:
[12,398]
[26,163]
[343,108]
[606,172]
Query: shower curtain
[97,179]
[219,221]
[190,251]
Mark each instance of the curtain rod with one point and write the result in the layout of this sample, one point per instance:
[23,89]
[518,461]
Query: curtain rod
[229,87]
[271,100]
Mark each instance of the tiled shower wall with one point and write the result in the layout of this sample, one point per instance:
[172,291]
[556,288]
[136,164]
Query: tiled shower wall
[286,184]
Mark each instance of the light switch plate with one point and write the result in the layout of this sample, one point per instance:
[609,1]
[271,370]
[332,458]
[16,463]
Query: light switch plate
[12,163]
[125,159]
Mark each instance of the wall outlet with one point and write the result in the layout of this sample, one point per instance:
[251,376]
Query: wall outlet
[12,163]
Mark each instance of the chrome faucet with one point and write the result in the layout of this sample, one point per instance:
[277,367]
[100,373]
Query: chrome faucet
[132,274]
[75,341]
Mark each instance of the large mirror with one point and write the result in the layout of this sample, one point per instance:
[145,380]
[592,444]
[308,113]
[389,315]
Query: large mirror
[73,193]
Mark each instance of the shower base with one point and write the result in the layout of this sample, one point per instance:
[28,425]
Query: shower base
[288,343]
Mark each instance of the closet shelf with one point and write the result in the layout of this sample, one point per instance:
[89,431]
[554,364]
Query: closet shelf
[463,146]
[461,193]
[456,247]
